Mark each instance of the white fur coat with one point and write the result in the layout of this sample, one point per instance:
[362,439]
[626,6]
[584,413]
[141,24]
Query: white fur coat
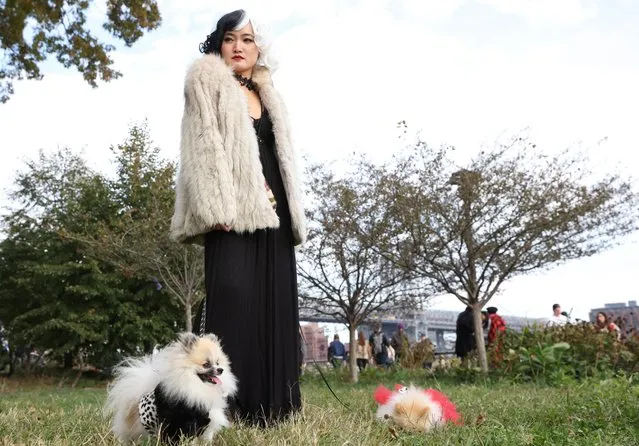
[220,179]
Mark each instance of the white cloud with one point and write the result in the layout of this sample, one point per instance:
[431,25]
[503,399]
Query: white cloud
[547,11]
[187,14]
[363,81]
[364,76]
[431,9]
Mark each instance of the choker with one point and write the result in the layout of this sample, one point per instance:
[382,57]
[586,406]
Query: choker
[246,82]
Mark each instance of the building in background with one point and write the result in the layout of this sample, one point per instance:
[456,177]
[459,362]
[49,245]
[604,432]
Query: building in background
[626,316]
[315,343]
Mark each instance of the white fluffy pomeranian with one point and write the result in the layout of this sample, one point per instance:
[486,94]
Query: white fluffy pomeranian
[180,391]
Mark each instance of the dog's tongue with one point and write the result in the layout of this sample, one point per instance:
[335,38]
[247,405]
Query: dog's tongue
[215,380]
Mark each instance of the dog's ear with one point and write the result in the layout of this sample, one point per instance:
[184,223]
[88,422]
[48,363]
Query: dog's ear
[212,337]
[187,340]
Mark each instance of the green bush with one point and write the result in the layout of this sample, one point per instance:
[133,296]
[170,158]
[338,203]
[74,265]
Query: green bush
[572,351]
[544,355]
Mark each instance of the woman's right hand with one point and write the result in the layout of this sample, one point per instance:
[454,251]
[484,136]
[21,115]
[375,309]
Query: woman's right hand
[220,227]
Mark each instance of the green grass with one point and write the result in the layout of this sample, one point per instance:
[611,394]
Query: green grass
[495,413]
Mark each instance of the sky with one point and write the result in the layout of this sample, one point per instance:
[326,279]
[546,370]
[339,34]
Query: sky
[460,72]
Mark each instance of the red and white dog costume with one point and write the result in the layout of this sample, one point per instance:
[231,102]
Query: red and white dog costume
[415,409]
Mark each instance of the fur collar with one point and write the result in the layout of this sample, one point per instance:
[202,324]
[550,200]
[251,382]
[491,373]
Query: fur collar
[217,137]
[214,67]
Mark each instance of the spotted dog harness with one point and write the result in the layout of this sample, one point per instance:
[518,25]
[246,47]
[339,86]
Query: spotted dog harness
[149,413]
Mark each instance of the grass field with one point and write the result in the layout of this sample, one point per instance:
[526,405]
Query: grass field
[595,413]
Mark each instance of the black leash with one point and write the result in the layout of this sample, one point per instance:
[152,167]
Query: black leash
[322,374]
[201,330]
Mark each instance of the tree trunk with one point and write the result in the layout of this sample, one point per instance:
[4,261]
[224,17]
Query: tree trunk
[352,351]
[479,338]
[12,362]
[467,195]
[188,313]
[80,371]
[68,360]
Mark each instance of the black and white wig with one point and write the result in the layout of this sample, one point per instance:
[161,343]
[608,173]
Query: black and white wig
[234,21]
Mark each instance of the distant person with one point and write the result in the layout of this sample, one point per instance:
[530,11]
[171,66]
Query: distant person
[558,318]
[400,343]
[424,345]
[336,352]
[379,346]
[465,331]
[497,325]
[495,335]
[604,324]
[391,355]
[362,351]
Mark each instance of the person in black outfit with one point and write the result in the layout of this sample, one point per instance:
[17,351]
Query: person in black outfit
[465,342]
[239,193]
[379,346]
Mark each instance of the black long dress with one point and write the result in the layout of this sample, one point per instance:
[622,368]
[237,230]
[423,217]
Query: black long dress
[251,303]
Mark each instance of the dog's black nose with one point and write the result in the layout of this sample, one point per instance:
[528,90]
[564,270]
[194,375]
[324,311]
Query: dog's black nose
[219,371]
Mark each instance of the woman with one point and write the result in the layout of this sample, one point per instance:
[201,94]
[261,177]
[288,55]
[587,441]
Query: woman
[237,195]
[603,325]
[362,353]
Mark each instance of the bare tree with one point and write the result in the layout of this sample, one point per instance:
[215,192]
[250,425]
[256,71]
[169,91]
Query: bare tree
[343,275]
[510,211]
[143,251]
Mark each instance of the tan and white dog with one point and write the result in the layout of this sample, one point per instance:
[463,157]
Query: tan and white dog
[181,390]
[413,408]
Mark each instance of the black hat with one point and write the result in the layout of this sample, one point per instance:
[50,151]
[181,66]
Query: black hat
[491,310]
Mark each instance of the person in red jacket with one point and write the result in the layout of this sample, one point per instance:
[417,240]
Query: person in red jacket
[495,333]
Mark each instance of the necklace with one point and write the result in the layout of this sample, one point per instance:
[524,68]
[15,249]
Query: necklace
[246,82]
